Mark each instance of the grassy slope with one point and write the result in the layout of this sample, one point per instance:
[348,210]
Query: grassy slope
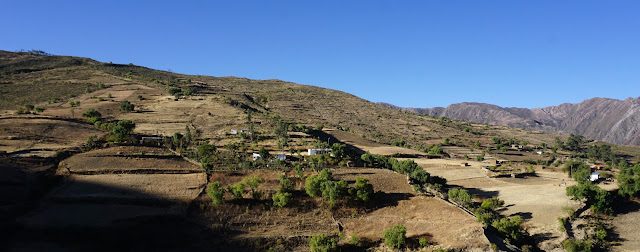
[34,79]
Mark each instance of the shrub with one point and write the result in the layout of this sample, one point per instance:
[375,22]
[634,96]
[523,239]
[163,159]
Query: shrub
[28,107]
[322,243]
[573,245]
[38,109]
[480,157]
[126,106]
[354,240]
[395,236]
[312,186]
[174,91]
[281,199]
[423,242]
[140,97]
[215,191]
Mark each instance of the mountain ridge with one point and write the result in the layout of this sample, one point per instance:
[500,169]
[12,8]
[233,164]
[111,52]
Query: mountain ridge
[605,119]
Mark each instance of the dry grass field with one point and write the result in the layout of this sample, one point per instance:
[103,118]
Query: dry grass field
[132,187]
[129,159]
[42,137]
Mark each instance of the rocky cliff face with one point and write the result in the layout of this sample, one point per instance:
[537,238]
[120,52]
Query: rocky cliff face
[604,119]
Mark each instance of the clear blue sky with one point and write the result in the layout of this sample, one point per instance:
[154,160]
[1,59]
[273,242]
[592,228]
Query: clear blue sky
[408,53]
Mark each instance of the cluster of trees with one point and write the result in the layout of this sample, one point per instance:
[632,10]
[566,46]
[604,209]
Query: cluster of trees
[331,190]
[598,199]
[486,213]
[629,180]
[417,175]
[28,108]
[120,130]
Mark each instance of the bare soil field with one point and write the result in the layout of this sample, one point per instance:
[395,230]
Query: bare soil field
[128,158]
[381,179]
[43,136]
[370,146]
[538,199]
[132,187]
[428,217]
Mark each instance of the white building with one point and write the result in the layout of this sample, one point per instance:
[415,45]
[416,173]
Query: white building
[594,176]
[281,156]
[256,157]
[312,152]
[234,132]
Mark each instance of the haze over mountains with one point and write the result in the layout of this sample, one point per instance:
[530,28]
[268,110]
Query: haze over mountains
[604,119]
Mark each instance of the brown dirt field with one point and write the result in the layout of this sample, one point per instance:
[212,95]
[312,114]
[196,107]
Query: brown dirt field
[428,217]
[381,179]
[88,215]
[127,158]
[539,200]
[129,187]
[43,135]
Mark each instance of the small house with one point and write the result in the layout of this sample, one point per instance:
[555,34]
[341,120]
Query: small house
[234,132]
[256,157]
[281,156]
[312,152]
[539,152]
[595,176]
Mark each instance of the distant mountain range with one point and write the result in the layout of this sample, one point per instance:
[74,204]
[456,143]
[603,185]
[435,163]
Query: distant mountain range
[609,120]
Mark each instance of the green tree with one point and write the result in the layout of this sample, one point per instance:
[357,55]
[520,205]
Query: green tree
[253,182]
[286,185]
[312,186]
[281,199]
[123,129]
[236,190]
[322,243]
[92,115]
[395,236]
[216,192]
[510,227]
[364,190]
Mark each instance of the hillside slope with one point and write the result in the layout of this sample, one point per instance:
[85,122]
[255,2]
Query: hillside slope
[41,79]
[610,120]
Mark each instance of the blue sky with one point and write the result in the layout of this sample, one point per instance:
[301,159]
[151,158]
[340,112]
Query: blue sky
[408,53]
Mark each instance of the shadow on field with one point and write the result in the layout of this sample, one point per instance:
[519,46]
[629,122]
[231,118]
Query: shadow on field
[523,215]
[41,212]
[389,199]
